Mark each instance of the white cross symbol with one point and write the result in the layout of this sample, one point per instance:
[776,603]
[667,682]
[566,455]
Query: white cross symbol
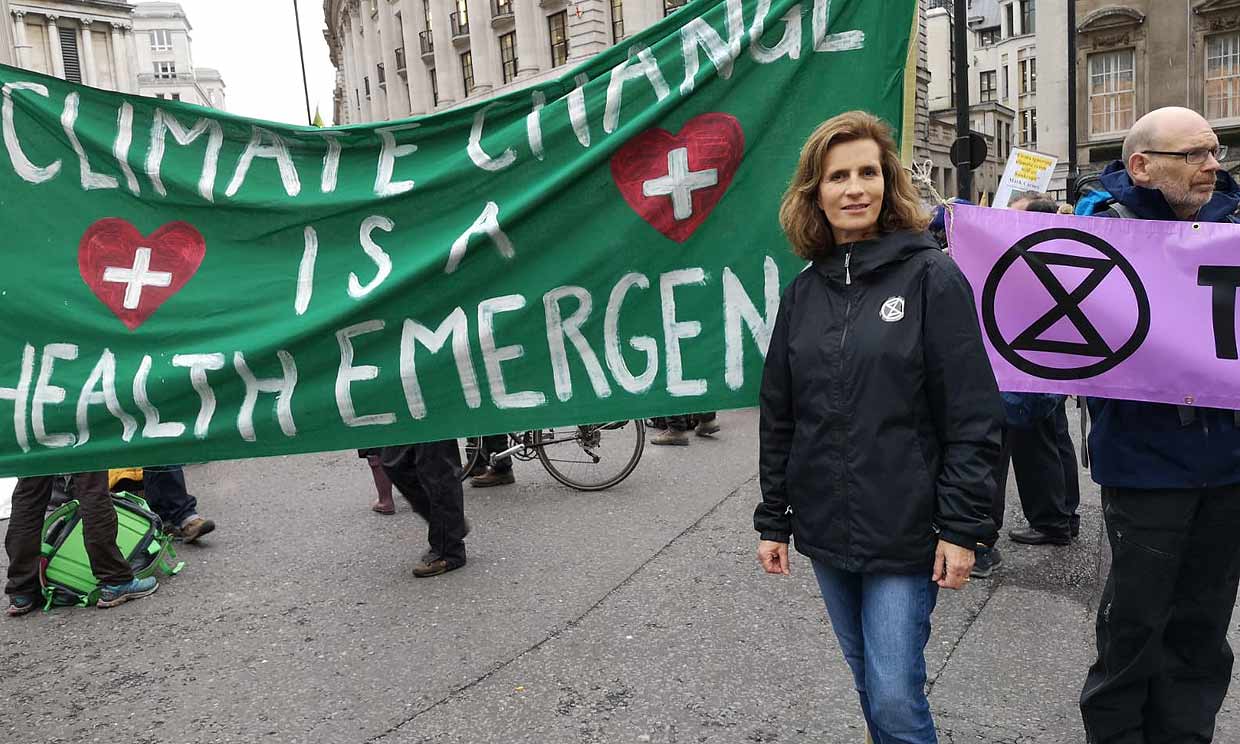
[680,183]
[137,277]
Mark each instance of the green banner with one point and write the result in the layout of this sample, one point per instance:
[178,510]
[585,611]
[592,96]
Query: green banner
[185,285]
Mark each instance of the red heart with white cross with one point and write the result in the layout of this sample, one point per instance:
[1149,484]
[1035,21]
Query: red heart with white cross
[673,181]
[133,275]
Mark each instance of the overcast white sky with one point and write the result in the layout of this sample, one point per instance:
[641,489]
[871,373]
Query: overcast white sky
[254,44]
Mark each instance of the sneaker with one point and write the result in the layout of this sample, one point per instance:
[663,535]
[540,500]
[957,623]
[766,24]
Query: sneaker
[492,477]
[192,529]
[110,595]
[707,428]
[430,564]
[987,560]
[20,604]
[672,437]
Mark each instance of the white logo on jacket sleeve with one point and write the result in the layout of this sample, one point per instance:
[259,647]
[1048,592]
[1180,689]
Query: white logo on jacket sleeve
[892,310]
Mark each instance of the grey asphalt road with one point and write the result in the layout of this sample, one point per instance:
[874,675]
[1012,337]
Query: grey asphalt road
[634,615]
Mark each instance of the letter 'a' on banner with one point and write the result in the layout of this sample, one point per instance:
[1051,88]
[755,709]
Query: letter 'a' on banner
[183,285]
[1111,308]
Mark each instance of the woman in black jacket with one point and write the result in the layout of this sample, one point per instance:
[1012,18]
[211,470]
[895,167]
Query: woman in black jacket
[879,417]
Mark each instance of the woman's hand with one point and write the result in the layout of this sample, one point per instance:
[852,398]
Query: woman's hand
[952,565]
[774,557]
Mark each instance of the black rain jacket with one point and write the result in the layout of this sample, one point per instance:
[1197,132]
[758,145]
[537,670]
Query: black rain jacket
[880,415]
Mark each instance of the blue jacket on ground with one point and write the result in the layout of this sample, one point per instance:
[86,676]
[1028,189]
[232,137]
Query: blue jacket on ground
[1155,445]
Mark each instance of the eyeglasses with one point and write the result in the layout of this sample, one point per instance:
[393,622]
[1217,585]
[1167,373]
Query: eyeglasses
[1194,157]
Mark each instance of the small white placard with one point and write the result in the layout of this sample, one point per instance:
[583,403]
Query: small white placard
[1026,171]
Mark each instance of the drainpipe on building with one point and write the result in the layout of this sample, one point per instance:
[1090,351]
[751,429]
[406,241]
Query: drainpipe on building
[960,40]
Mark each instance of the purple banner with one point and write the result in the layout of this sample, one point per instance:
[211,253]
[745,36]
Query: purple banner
[1131,309]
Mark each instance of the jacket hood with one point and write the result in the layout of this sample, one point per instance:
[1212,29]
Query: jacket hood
[1150,204]
[867,256]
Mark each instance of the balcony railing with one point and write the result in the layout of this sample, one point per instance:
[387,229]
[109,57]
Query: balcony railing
[428,43]
[501,9]
[459,28]
[400,59]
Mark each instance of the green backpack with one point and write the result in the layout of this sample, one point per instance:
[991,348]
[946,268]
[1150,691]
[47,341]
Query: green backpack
[65,572]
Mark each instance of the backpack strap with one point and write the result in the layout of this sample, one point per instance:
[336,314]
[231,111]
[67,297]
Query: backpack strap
[1119,210]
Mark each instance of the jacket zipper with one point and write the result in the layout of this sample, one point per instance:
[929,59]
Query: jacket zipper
[843,398]
[847,261]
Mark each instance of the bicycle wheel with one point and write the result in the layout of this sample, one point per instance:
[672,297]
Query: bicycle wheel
[591,457]
[471,454]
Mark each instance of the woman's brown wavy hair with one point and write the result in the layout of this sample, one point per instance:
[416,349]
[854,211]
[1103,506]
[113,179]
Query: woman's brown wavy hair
[803,220]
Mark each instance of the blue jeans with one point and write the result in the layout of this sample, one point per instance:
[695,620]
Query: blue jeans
[882,622]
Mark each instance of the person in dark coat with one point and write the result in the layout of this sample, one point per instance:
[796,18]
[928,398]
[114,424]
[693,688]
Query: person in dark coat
[428,475]
[879,429]
[1170,478]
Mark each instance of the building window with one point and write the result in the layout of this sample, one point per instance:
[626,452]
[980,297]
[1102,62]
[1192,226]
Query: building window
[1112,86]
[467,71]
[1028,76]
[166,70]
[434,87]
[426,14]
[617,20]
[1222,76]
[1029,128]
[671,6]
[175,96]
[557,28]
[366,85]
[501,8]
[508,56]
[1003,84]
[988,36]
[460,19]
[161,40]
[69,54]
[988,85]
[1009,24]
[400,59]
[1028,21]
[381,75]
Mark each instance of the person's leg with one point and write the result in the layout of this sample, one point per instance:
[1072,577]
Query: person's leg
[164,489]
[676,432]
[841,593]
[1039,479]
[895,622]
[1071,472]
[383,503]
[1148,531]
[1197,660]
[23,540]
[706,424]
[500,473]
[438,466]
[99,528]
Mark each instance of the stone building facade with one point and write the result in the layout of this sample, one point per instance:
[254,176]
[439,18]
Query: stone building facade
[1139,55]
[165,58]
[108,44]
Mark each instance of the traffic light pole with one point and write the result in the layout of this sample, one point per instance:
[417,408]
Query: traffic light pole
[960,43]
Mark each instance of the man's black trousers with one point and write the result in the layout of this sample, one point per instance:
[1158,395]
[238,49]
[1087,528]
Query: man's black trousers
[1163,663]
[429,476]
[1046,474]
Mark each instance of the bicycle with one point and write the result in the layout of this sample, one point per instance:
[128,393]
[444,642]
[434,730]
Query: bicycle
[588,457]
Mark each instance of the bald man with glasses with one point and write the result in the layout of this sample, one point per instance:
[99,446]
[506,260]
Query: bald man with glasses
[1170,478]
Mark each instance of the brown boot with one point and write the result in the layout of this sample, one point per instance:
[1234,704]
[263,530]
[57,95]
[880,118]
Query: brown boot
[493,478]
